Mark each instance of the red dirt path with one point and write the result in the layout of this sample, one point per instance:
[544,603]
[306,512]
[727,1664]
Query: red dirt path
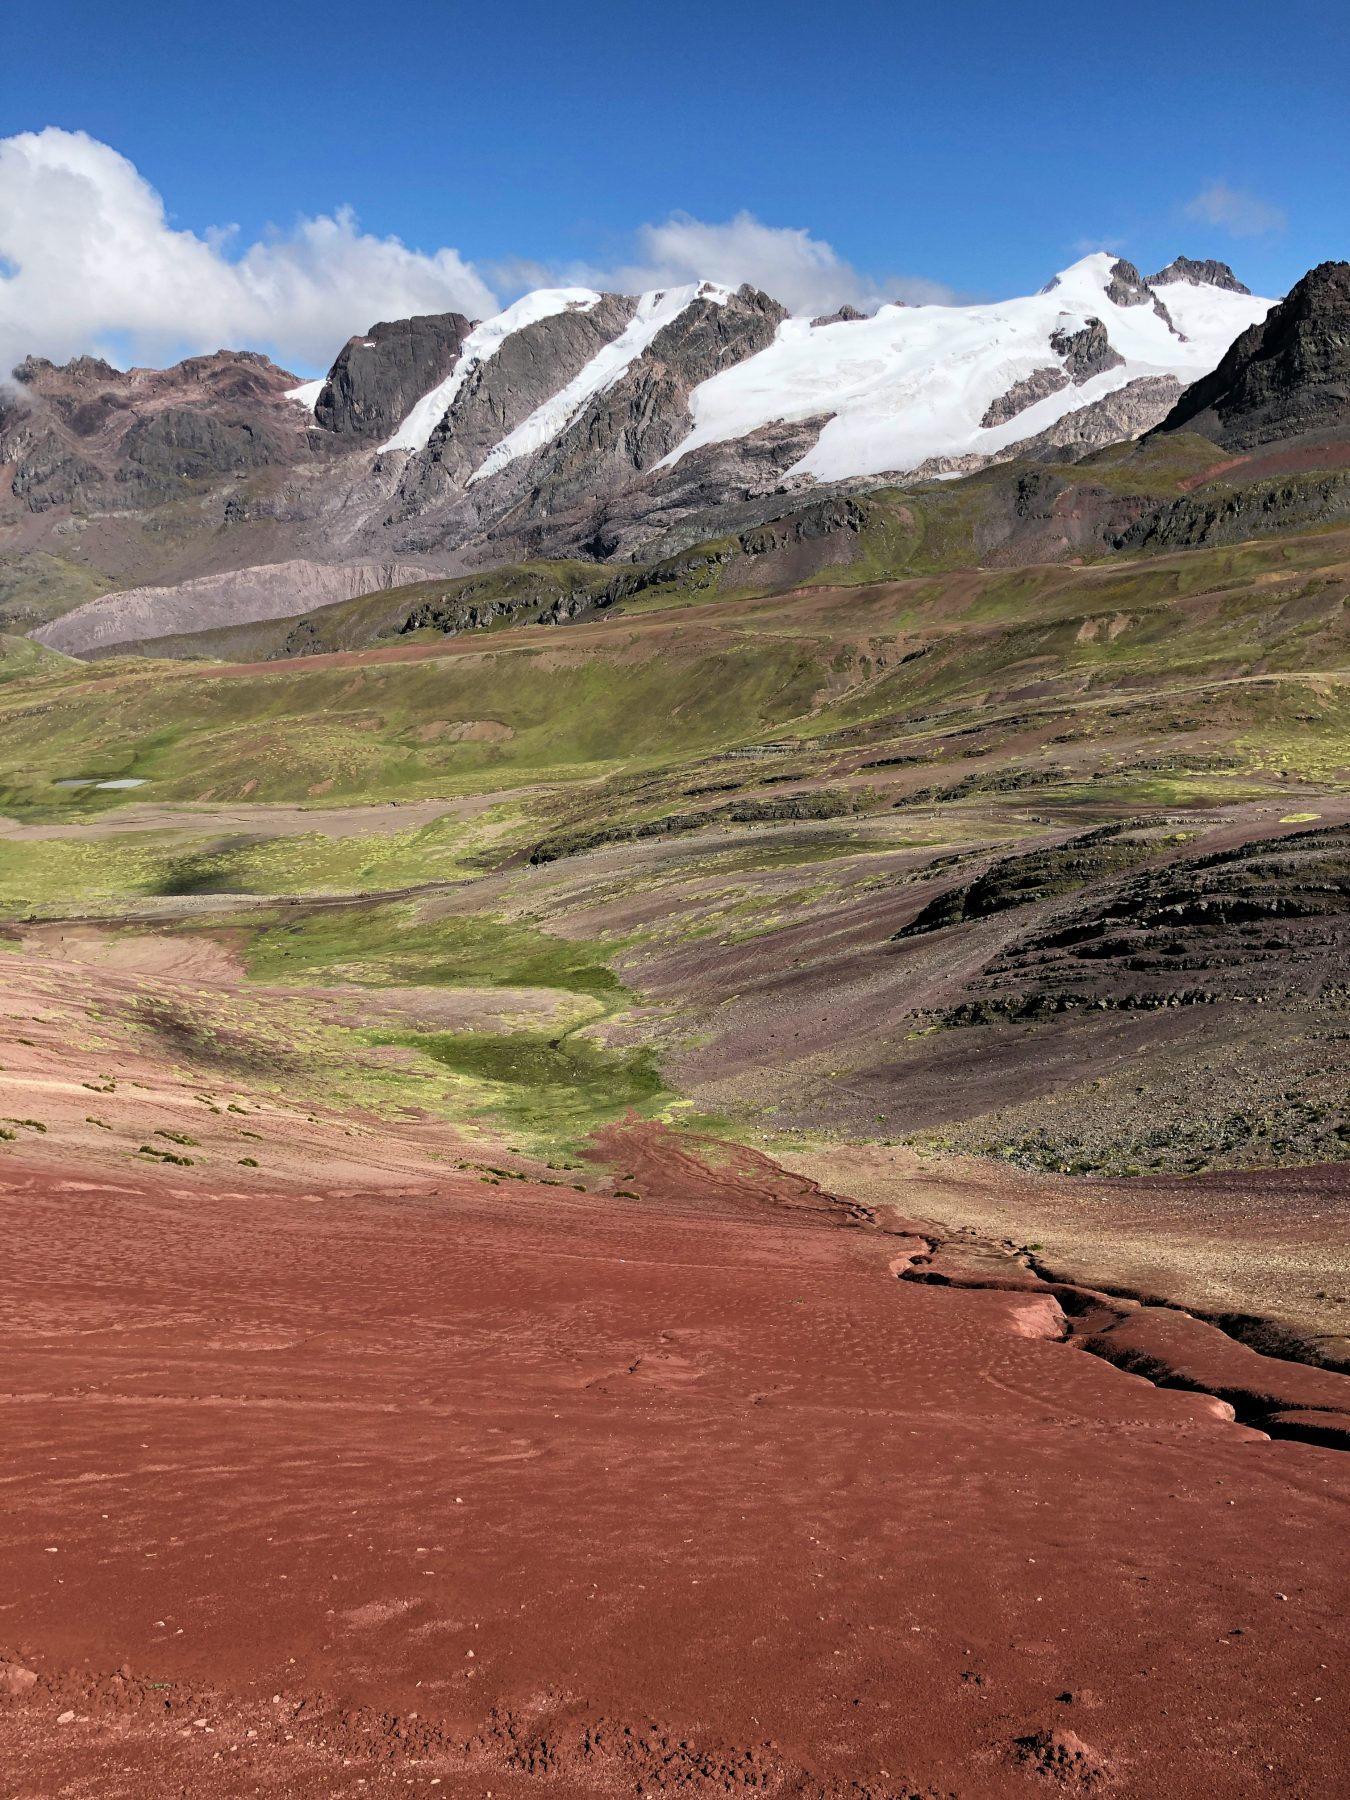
[518,1491]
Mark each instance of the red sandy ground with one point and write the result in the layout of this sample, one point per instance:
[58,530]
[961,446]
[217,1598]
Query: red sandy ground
[508,1490]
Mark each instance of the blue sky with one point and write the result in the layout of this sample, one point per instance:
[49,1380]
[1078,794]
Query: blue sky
[979,148]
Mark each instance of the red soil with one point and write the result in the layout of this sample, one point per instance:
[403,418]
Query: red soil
[515,1490]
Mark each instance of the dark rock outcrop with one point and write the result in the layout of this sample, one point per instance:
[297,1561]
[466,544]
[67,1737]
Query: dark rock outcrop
[845,315]
[645,414]
[378,378]
[1083,353]
[1222,513]
[1127,287]
[1022,394]
[1087,352]
[84,435]
[1207,273]
[1284,377]
[501,393]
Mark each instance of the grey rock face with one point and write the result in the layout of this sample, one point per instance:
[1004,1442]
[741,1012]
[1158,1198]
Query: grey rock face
[844,316]
[711,490]
[378,378]
[645,414]
[1085,353]
[501,393]
[1128,412]
[1287,375]
[1207,273]
[1127,287]
[1024,393]
[191,443]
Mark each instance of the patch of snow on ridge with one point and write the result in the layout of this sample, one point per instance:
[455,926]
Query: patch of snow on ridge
[482,343]
[914,382]
[307,394]
[654,311]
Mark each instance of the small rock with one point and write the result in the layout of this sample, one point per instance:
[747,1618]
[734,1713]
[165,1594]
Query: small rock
[16,1680]
[66,1718]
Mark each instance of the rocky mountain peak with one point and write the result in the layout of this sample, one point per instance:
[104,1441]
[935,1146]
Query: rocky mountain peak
[1285,376]
[37,371]
[378,377]
[1127,287]
[1199,274]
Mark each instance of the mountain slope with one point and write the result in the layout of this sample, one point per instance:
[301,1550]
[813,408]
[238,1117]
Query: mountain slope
[1283,377]
[916,383]
[576,424]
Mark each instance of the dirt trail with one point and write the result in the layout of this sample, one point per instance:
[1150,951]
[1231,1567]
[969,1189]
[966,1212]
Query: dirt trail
[524,1491]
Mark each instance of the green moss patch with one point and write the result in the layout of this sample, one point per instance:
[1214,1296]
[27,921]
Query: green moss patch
[558,1089]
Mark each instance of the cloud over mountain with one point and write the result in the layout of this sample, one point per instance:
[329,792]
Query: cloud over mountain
[89,262]
[88,259]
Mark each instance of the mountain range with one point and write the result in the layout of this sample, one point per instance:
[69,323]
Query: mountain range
[605,429]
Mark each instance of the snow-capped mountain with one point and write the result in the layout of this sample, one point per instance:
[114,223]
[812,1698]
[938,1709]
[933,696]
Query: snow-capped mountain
[590,423]
[898,390]
[914,384]
[585,424]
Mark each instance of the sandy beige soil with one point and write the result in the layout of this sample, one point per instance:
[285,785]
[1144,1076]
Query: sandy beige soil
[1272,1242]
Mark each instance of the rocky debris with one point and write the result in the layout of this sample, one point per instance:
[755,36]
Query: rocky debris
[1062,1758]
[1126,413]
[1086,353]
[1037,386]
[267,591]
[1287,376]
[379,377]
[16,1681]
[845,315]
[1206,273]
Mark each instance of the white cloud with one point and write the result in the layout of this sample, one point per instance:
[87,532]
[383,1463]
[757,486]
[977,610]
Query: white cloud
[805,273]
[90,263]
[1234,210]
[88,259]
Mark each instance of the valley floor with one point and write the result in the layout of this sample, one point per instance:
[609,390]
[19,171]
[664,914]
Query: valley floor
[513,1489]
[576,1205]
